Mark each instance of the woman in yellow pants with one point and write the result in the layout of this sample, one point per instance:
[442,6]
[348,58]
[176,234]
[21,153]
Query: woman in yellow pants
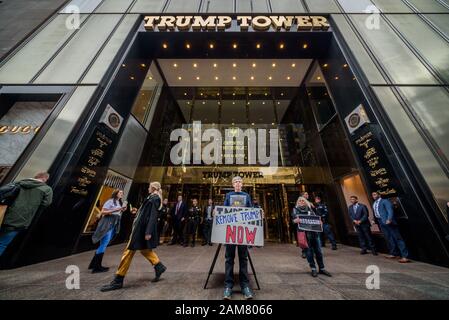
[144,238]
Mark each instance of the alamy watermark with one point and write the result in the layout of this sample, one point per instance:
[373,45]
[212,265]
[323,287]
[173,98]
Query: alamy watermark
[198,146]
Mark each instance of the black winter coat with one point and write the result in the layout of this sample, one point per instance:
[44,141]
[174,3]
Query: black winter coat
[146,223]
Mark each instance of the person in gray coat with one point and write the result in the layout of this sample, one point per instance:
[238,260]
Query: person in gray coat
[107,228]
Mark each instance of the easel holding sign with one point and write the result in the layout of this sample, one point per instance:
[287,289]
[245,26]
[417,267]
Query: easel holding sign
[237,226]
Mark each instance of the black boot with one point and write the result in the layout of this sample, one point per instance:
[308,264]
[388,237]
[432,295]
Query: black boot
[115,284]
[93,262]
[97,267]
[159,269]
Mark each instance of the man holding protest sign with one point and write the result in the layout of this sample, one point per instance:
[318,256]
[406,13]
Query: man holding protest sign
[311,224]
[237,198]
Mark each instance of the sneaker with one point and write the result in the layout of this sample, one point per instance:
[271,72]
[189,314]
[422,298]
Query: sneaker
[314,273]
[303,255]
[227,294]
[247,293]
[325,272]
[404,260]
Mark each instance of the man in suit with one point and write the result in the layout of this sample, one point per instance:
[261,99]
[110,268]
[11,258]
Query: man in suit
[358,213]
[207,222]
[179,212]
[383,210]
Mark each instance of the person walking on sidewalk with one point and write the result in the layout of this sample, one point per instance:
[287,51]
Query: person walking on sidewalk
[143,237]
[107,228]
[31,195]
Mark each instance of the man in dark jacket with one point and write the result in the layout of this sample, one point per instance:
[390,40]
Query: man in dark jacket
[34,194]
[179,213]
[359,215]
[144,237]
[193,220]
[323,212]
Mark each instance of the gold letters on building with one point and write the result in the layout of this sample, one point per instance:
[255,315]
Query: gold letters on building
[221,23]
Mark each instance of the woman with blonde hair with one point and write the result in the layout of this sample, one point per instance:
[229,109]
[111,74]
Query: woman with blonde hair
[313,238]
[144,237]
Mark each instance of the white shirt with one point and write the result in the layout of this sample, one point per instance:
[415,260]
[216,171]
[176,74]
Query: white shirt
[376,208]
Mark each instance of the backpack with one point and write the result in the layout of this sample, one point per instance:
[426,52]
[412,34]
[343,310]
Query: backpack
[9,193]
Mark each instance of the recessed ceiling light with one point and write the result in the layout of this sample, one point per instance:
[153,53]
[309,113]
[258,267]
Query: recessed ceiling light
[195,65]
[282,93]
[233,78]
[250,94]
[288,78]
[179,78]
[197,78]
[266,93]
[188,102]
[258,46]
[234,65]
[132,77]
[252,123]
[279,102]
[150,77]
[215,65]
[234,45]
[164,45]
[123,65]
[305,46]
[293,65]
[204,102]
[216,78]
[218,93]
[254,65]
[336,78]
[233,102]
[175,65]
[143,65]
[233,93]
[263,102]
[273,65]
[318,78]
[325,65]
[188,45]
[281,46]
[252,77]
[185,93]
[345,65]
[211,45]
[270,77]
[201,94]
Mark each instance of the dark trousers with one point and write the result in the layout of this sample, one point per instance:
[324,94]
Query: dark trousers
[243,265]
[190,230]
[396,244]
[314,250]
[207,231]
[365,237]
[327,230]
[177,232]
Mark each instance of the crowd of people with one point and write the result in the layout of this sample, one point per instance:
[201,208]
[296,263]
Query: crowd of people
[155,221]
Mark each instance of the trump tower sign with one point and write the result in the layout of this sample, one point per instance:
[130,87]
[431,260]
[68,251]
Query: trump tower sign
[238,225]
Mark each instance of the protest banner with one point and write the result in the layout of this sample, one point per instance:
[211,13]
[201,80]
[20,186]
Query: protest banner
[309,223]
[238,225]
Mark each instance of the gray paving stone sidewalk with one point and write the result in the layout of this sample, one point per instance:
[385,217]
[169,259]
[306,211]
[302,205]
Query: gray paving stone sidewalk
[282,274]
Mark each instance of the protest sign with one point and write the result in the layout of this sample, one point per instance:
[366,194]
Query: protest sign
[238,225]
[309,223]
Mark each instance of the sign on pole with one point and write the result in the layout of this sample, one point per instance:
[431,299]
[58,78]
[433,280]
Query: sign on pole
[238,225]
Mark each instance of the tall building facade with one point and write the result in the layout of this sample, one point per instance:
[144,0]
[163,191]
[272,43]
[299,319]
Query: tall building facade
[357,89]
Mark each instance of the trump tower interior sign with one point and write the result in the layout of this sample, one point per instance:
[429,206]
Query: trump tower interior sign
[238,225]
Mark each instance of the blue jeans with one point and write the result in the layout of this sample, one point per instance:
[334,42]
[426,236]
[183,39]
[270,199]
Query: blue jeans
[105,241]
[394,240]
[5,239]
[314,250]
